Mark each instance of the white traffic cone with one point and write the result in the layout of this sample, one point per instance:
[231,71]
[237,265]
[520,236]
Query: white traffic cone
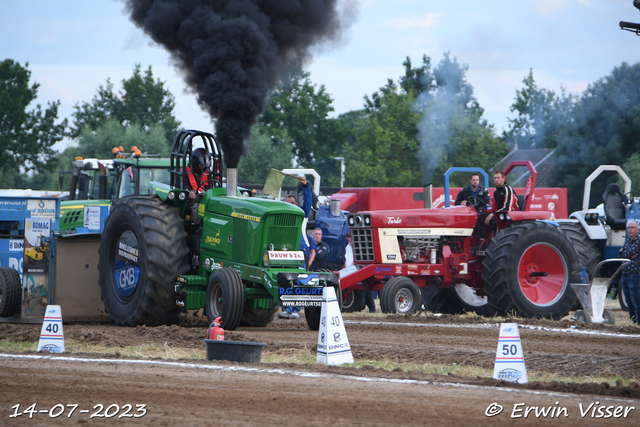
[51,335]
[509,356]
[333,344]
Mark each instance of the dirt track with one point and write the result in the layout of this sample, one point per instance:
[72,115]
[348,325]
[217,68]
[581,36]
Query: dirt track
[191,392]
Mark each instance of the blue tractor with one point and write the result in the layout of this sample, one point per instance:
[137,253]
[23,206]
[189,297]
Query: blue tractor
[599,233]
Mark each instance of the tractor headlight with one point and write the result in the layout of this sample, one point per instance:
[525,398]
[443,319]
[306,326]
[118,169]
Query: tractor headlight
[358,221]
[171,195]
[501,216]
[351,221]
[182,196]
[367,220]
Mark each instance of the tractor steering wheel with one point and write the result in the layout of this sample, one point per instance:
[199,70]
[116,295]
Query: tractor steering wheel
[201,186]
[478,204]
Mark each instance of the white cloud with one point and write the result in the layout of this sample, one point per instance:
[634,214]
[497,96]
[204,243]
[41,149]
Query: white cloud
[426,21]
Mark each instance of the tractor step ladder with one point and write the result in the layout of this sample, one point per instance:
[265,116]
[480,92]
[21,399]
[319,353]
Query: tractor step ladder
[592,295]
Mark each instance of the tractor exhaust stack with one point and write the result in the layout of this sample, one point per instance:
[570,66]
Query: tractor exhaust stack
[428,196]
[232,181]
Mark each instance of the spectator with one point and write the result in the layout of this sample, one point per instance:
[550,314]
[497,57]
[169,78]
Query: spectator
[308,247]
[631,271]
[322,252]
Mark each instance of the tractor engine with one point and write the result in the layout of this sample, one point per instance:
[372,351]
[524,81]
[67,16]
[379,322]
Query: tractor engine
[418,250]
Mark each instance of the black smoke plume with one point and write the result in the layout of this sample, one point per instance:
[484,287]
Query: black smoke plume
[232,52]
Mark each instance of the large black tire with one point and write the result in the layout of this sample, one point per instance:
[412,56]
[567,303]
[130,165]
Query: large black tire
[588,250]
[621,299]
[312,314]
[258,318]
[142,252]
[225,298]
[400,295]
[456,299]
[352,301]
[10,292]
[528,269]
[440,300]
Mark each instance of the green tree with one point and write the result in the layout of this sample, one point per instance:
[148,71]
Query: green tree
[26,137]
[541,116]
[632,168]
[302,109]
[385,147]
[604,129]
[100,143]
[262,155]
[418,80]
[142,102]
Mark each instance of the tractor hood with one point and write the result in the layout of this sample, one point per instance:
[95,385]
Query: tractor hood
[256,208]
[454,217]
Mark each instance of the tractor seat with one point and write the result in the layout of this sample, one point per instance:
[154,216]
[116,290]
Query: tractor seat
[615,212]
[520,198]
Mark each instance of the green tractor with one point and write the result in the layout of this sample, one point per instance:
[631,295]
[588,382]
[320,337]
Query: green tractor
[236,257]
[96,182]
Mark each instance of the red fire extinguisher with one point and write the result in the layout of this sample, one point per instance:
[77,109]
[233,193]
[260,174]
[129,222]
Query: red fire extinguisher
[215,332]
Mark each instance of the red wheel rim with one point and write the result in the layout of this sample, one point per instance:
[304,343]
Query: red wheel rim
[542,274]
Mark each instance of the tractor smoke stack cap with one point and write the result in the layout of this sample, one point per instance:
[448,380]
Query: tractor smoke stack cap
[200,160]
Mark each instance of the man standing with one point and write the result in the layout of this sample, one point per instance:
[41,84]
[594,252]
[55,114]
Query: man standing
[504,198]
[322,252]
[631,271]
[307,247]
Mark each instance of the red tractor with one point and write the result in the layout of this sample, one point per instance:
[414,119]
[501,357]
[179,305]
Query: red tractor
[434,257]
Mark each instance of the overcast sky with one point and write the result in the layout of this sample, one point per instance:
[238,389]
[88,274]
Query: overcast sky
[73,46]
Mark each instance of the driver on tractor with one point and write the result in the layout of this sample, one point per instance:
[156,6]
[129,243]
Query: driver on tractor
[504,198]
[477,196]
[198,172]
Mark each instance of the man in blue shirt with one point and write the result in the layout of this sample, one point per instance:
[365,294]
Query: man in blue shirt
[306,245]
[474,189]
[631,271]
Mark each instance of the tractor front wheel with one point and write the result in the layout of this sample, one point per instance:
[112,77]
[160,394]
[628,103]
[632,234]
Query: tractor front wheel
[400,295]
[258,318]
[225,298]
[352,301]
[312,314]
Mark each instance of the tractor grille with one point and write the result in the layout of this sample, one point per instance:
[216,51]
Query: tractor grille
[73,216]
[362,239]
[285,220]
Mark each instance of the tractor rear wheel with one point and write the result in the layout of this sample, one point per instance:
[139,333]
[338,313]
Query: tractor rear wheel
[225,298]
[10,292]
[142,252]
[352,301]
[588,250]
[400,295]
[528,268]
[455,300]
